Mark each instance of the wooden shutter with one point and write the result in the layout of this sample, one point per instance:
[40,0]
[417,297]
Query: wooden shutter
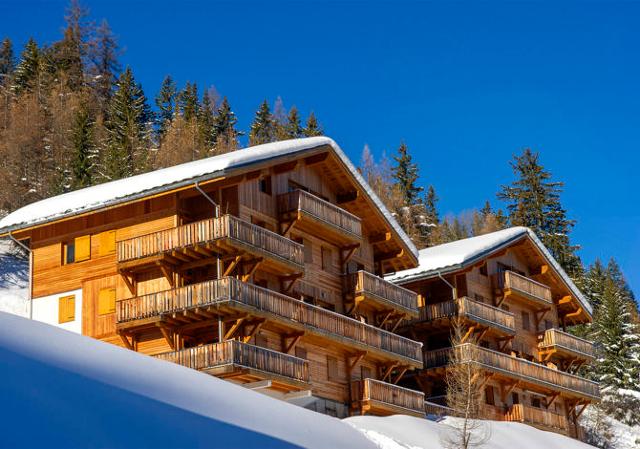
[308,251]
[66,309]
[107,242]
[489,397]
[106,301]
[332,368]
[83,248]
[525,320]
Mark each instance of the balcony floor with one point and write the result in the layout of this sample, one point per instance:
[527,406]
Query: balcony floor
[309,223]
[379,408]
[244,375]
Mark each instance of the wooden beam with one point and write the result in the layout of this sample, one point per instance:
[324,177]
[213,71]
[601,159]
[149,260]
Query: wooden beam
[180,256]
[131,285]
[287,227]
[125,340]
[316,158]
[565,300]
[257,324]
[252,269]
[503,342]
[253,175]
[167,274]
[403,370]
[234,328]
[390,255]
[347,253]
[397,323]
[347,197]
[387,315]
[285,167]
[386,370]
[295,338]
[467,335]
[232,266]
[357,357]
[168,336]
[551,399]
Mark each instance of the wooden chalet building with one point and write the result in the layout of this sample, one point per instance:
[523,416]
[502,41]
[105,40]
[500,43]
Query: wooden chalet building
[516,303]
[263,266]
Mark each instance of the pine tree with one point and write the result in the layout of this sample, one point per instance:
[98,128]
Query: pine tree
[533,200]
[406,176]
[224,129]
[188,102]
[7,60]
[84,150]
[206,126]
[263,128]
[69,53]
[28,71]
[431,201]
[128,129]
[313,128]
[166,103]
[293,127]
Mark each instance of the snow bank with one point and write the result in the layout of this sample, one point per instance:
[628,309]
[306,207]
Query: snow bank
[462,253]
[60,389]
[14,281]
[407,432]
[127,189]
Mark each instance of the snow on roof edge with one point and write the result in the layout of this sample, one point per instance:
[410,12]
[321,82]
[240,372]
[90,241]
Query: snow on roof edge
[517,233]
[119,191]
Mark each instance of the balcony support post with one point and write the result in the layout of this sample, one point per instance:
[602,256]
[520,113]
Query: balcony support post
[397,323]
[385,316]
[506,390]
[234,328]
[504,341]
[125,340]
[232,266]
[167,273]
[403,370]
[286,288]
[257,324]
[168,336]
[385,370]
[470,331]
[353,360]
[346,253]
[131,284]
[551,399]
[295,338]
[252,269]
[540,314]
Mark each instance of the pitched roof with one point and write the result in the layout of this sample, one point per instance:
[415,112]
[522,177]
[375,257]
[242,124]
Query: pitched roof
[454,256]
[158,181]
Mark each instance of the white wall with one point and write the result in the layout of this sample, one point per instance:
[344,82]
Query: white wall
[45,309]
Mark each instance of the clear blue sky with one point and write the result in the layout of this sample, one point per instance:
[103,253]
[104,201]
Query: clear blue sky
[465,84]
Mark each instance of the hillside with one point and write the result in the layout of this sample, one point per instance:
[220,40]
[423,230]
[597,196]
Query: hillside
[13,281]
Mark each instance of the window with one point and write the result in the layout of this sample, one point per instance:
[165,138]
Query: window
[525,321]
[107,242]
[308,251]
[535,402]
[66,309]
[483,269]
[265,185]
[301,353]
[106,301]
[77,250]
[332,368]
[489,397]
[515,398]
[326,258]
[548,324]
[365,372]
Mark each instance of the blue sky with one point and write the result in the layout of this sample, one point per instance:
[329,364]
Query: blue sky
[465,84]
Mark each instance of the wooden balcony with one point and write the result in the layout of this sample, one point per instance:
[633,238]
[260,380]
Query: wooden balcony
[537,417]
[434,409]
[244,363]
[191,244]
[558,343]
[515,285]
[231,298]
[369,289]
[471,310]
[504,365]
[313,214]
[380,398]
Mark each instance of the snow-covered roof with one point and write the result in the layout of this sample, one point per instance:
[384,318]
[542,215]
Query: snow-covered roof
[460,254]
[135,187]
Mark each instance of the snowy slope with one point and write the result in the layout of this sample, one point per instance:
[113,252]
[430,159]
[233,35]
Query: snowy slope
[60,389]
[406,432]
[13,281]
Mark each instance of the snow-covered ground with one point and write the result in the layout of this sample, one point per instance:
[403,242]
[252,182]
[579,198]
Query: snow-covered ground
[13,281]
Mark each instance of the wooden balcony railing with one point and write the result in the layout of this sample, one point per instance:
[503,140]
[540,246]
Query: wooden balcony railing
[226,227]
[472,310]
[321,210]
[369,285]
[536,416]
[555,338]
[431,408]
[243,355]
[389,394]
[509,280]
[273,305]
[516,368]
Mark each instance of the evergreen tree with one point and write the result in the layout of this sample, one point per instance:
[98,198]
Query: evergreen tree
[69,53]
[84,150]
[533,200]
[7,60]
[406,176]
[206,123]
[28,70]
[263,128]
[224,128]
[166,103]
[293,128]
[188,101]
[128,129]
[313,128]
[430,204]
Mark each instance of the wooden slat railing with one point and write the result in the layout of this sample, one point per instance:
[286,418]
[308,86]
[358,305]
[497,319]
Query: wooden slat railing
[367,284]
[431,408]
[321,210]
[474,310]
[225,227]
[515,367]
[377,390]
[558,338]
[532,415]
[517,282]
[240,354]
[232,290]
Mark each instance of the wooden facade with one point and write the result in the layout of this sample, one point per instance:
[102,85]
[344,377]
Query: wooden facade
[516,309]
[279,286]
